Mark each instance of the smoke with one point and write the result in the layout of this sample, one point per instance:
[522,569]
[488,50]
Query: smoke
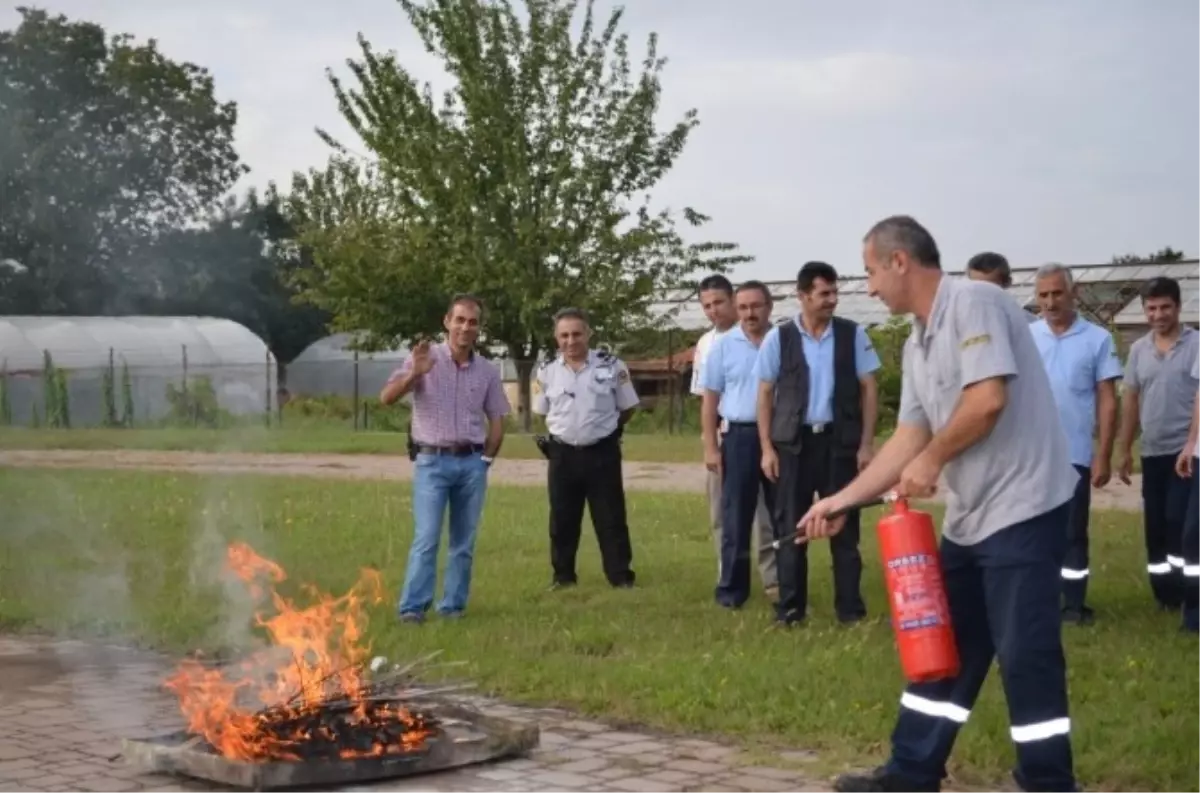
[227,515]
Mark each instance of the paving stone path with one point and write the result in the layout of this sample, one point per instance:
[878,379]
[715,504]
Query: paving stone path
[65,705]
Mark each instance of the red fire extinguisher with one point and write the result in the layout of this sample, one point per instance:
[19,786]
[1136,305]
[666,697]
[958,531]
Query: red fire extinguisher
[908,549]
[912,569]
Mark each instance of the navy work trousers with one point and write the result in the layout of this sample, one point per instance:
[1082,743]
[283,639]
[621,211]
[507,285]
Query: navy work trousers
[742,480]
[1004,602]
[1075,565]
[1164,505]
[1191,553]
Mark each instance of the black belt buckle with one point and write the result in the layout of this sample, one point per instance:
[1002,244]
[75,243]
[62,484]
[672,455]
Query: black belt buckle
[457,450]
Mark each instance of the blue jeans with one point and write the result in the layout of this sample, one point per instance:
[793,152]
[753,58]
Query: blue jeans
[440,481]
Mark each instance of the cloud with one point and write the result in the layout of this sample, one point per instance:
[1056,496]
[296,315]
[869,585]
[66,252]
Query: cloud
[848,83]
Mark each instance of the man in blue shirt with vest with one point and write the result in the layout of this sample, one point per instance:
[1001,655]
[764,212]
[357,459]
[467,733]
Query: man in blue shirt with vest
[817,406]
[1081,362]
[731,393]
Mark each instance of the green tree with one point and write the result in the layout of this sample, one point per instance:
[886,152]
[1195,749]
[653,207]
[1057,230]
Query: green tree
[527,184]
[104,144]
[236,266]
[1164,256]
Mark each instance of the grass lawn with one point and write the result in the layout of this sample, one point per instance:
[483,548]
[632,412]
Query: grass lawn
[654,448]
[319,438]
[136,554]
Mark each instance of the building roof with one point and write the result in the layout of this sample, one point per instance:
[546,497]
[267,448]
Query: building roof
[679,362]
[1107,292]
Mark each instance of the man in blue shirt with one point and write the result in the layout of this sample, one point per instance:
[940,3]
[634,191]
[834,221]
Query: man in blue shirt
[817,406]
[1082,364]
[730,393]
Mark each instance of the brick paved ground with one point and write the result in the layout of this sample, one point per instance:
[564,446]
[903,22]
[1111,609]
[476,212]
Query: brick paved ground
[66,705]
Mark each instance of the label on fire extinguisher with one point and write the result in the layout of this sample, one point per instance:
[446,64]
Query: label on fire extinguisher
[915,583]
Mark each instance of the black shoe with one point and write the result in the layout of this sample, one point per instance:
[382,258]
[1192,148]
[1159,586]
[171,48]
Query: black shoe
[789,619]
[1079,616]
[850,619]
[877,781]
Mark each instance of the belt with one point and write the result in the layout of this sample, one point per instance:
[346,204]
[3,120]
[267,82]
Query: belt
[453,450]
[816,429]
[558,440]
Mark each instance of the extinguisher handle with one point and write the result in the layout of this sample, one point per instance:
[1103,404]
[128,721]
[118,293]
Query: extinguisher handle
[886,498]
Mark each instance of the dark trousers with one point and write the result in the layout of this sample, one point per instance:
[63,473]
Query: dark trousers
[1164,504]
[742,480]
[1003,595]
[590,474]
[815,468]
[1075,564]
[1191,553]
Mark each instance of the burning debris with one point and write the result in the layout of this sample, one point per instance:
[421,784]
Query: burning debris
[305,712]
[305,697]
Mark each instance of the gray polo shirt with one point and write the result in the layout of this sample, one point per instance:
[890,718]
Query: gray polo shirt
[582,408]
[1022,469]
[1166,390]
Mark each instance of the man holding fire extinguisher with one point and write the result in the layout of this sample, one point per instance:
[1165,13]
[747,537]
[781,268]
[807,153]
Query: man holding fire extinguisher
[972,408]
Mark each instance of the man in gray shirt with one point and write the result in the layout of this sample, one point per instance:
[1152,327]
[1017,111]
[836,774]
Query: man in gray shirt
[976,407]
[1159,394]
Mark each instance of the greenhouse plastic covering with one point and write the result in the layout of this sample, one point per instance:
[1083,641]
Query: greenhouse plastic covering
[156,351]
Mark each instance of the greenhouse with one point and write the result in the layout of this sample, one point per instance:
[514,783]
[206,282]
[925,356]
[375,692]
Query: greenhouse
[132,370]
[330,367]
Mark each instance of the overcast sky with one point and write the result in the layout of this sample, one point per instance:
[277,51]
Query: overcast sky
[1056,130]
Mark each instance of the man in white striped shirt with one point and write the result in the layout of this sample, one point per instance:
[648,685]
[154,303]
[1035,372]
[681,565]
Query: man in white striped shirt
[716,298]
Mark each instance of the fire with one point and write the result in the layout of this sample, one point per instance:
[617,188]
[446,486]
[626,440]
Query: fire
[305,693]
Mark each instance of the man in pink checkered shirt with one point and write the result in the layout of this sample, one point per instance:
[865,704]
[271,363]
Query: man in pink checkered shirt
[458,410]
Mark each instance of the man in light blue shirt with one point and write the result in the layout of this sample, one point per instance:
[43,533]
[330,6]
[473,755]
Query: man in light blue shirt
[1081,362]
[731,393]
[817,407]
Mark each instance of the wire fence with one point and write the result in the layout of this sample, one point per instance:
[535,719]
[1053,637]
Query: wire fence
[331,393]
[118,393]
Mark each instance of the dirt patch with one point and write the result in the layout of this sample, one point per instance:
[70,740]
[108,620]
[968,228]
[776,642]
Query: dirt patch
[663,477]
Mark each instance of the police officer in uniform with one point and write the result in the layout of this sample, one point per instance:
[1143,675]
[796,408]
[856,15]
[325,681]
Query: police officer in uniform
[973,407]
[587,397]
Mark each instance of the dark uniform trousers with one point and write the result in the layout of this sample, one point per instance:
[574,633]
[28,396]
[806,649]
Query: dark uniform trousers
[815,468]
[1164,506]
[742,478]
[1003,595]
[1191,553]
[1075,564]
[591,474]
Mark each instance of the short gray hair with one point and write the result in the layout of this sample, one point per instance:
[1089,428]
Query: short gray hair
[570,313]
[1054,268]
[903,233]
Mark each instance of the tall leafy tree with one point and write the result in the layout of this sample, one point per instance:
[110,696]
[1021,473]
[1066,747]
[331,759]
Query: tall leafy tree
[235,266]
[104,144]
[528,183]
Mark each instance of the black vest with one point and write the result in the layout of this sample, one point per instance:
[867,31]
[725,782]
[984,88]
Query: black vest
[791,390]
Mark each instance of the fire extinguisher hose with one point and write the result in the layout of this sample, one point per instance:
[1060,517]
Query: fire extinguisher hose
[886,498]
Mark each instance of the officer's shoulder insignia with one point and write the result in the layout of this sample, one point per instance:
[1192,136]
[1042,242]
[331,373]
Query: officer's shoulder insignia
[982,338]
[623,375]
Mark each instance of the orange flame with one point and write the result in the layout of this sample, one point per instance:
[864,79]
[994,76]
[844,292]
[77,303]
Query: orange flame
[316,655]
